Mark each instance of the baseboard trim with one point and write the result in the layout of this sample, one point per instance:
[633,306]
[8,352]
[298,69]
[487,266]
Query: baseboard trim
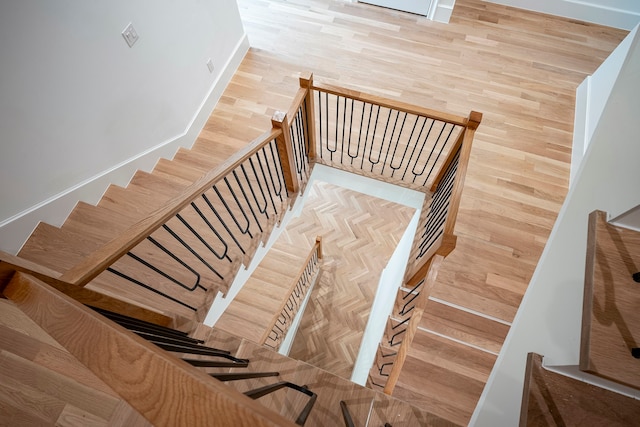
[580,10]
[15,230]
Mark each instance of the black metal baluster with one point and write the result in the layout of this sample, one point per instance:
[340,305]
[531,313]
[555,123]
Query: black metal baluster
[166,275]
[246,199]
[144,285]
[406,147]
[364,106]
[220,220]
[393,132]
[423,144]
[415,145]
[366,138]
[190,249]
[373,139]
[262,210]
[241,229]
[433,165]
[266,183]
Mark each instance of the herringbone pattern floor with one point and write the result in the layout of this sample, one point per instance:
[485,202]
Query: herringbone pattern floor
[519,68]
[359,234]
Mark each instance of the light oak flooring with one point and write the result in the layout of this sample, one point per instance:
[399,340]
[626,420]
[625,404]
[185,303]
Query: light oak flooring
[359,235]
[519,68]
[42,384]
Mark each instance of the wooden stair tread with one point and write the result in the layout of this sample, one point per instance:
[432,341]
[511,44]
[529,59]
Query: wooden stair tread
[169,168]
[164,186]
[97,223]
[399,413]
[330,388]
[462,325]
[57,248]
[239,324]
[549,397]
[611,321]
[470,362]
[201,161]
[443,377]
[132,200]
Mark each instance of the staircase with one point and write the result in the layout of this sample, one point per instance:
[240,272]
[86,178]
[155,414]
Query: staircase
[162,248]
[609,340]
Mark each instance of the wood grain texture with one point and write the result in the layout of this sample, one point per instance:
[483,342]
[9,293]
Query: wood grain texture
[41,384]
[554,399]
[519,68]
[610,323]
[163,389]
[360,233]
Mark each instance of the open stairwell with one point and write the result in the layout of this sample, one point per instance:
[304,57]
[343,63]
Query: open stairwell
[162,249]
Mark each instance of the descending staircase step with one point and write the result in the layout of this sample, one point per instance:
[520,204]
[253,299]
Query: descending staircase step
[443,377]
[97,223]
[202,161]
[611,320]
[555,399]
[220,152]
[363,404]
[165,188]
[57,248]
[168,169]
[484,333]
[132,200]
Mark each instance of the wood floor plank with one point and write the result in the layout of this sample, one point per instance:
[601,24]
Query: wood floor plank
[519,68]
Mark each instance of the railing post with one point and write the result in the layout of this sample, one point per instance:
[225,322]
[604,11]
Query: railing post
[285,149]
[319,243]
[465,139]
[306,81]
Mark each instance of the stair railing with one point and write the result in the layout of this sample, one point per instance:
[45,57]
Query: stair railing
[401,328]
[162,388]
[282,321]
[403,144]
[253,187]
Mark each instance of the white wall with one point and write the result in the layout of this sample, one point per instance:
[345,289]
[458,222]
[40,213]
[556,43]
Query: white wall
[612,13]
[80,109]
[549,318]
[591,98]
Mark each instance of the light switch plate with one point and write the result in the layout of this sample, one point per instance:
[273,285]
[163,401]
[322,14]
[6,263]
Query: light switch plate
[130,35]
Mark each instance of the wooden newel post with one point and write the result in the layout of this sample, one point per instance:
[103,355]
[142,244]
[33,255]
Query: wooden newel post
[306,81]
[285,149]
[319,243]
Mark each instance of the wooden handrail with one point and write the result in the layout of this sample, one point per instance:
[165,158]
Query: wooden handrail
[298,100]
[388,103]
[10,264]
[306,82]
[162,388]
[96,262]
[315,249]
[280,121]
[463,164]
[433,265]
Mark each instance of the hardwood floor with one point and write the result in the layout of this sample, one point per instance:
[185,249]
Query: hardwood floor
[519,68]
[359,235]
